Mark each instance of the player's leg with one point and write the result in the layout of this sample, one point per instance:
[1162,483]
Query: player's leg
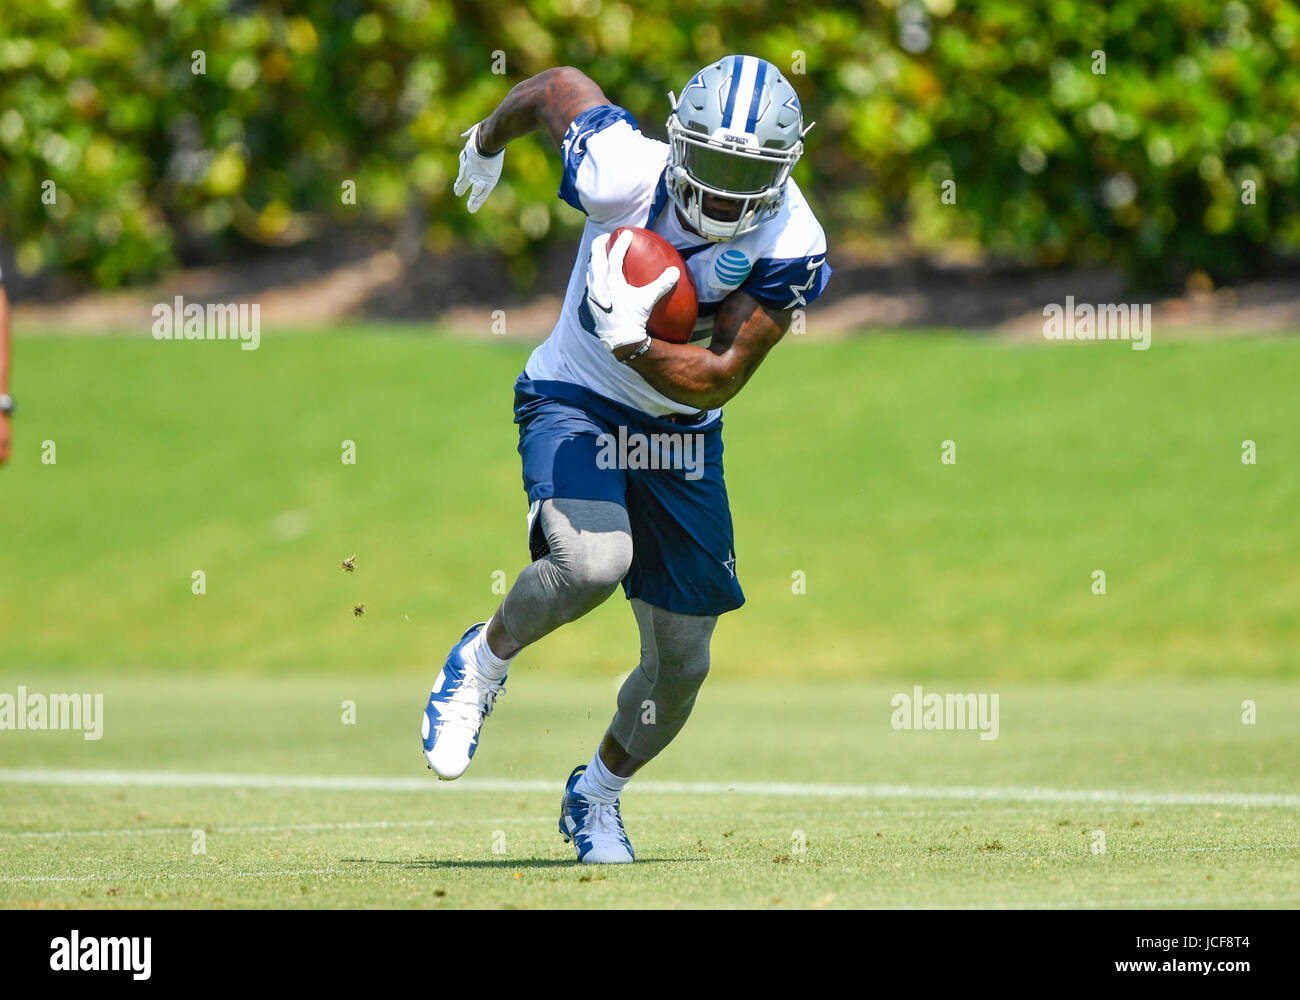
[582,550]
[653,705]
[581,547]
[588,548]
[682,577]
[657,697]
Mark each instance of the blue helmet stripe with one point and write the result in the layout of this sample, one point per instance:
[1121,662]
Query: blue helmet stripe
[755,102]
[731,93]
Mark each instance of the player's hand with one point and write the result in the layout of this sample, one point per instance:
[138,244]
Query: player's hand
[620,310]
[478,173]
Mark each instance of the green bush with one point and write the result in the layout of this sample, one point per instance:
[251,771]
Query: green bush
[1143,165]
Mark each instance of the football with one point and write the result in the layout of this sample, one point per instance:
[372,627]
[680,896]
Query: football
[673,317]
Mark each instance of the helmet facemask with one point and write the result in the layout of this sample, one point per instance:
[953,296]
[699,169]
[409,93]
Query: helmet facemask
[727,165]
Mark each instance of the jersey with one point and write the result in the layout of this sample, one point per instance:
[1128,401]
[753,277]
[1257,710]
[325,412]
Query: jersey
[615,175]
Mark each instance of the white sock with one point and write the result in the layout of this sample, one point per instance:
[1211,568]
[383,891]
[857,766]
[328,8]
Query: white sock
[480,655]
[599,782]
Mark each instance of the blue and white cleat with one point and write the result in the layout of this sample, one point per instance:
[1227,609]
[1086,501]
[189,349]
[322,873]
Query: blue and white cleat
[459,702]
[596,828]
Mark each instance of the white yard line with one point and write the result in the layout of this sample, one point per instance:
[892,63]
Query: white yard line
[178,779]
[959,811]
[281,828]
[168,875]
[1085,852]
[336,783]
[154,831]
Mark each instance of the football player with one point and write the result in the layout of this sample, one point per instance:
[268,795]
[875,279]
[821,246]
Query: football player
[720,191]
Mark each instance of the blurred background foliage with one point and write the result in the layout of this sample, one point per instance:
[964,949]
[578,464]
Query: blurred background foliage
[1142,166]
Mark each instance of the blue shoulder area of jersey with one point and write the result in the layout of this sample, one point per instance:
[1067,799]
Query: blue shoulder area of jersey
[574,147]
[661,199]
[788,282]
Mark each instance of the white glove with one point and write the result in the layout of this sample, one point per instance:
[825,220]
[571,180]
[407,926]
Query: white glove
[620,310]
[477,171]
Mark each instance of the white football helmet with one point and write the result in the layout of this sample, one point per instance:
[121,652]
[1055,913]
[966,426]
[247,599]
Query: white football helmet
[735,134]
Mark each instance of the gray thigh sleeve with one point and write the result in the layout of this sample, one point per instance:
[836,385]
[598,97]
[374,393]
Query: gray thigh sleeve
[590,550]
[658,695]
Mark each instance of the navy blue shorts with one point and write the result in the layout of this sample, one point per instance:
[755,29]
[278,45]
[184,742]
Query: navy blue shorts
[683,549]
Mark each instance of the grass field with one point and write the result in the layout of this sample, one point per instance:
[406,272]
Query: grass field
[1196,809]
[1120,713]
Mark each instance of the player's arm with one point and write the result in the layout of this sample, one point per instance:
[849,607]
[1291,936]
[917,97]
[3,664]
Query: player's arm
[744,330]
[551,99]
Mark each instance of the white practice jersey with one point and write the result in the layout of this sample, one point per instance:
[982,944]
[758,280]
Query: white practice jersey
[615,175]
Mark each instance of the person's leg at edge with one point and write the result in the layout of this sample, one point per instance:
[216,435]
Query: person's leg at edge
[590,544]
[655,700]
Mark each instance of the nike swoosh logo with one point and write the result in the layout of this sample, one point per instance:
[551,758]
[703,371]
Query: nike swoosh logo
[605,309]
